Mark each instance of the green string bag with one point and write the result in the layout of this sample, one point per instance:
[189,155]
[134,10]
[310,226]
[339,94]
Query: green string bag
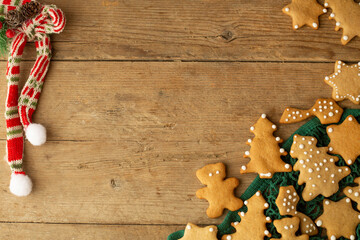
[270,187]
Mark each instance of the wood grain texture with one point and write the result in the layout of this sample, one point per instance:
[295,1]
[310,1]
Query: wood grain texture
[210,30]
[172,102]
[26,231]
[142,93]
[125,139]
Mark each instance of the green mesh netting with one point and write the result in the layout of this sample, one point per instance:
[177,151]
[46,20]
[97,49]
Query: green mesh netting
[270,187]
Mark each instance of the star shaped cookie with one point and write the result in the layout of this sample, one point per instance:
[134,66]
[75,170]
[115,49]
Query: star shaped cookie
[193,232]
[304,12]
[345,82]
[354,192]
[345,139]
[346,13]
[339,219]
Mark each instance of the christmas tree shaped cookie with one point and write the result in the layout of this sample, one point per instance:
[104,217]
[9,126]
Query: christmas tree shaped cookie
[287,227]
[253,222]
[286,202]
[345,82]
[304,12]
[347,16]
[345,139]
[219,192]
[339,219]
[265,153]
[317,168]
[354,192]
[325,109]
[193,232]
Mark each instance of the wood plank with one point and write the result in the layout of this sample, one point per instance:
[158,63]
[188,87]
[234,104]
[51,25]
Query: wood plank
[235,30]
[30,231]
[162,102]
[127,138]
[115,183]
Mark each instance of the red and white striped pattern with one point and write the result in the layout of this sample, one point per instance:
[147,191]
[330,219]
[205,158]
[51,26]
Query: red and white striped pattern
[32,89]
[58,20]
[15,142]
[12,4]
[19,111]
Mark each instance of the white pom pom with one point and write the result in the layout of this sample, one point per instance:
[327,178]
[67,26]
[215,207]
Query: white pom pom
[36,134]
[20,185]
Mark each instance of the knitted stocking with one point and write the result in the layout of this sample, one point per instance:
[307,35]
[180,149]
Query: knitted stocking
[19,112]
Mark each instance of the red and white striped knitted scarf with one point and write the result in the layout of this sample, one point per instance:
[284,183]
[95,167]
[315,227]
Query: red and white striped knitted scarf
[19,110]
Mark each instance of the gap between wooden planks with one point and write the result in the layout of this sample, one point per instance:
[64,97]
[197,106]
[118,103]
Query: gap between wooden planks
[32,231]
[125,139]
[188,30]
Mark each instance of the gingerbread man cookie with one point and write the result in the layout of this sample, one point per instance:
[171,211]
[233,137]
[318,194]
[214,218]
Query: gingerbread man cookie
[347,16]
[193,232]
[345,82]
[354,192]
[219,192]
[325,109]
[286,202]
[304,12]
[345,139]
[317,168]
[265,153]
[253,222]
[287,227]
[339,219]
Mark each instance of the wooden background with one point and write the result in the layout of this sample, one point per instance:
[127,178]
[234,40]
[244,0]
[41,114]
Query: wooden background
[142,93]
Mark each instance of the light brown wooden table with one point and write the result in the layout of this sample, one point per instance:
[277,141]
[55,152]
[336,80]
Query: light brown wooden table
[142,93]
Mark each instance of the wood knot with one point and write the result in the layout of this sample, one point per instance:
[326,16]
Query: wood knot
[114,183]
[227,35]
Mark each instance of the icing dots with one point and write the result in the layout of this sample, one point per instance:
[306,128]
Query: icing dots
[263,159]
[319,172]
[345,82]
[344,139]
[192,232]
[304,13]
[253,222]
[325,109]
[286,202]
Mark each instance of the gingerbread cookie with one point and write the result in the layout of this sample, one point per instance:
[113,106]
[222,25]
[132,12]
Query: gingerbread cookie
[317,168]
[347,16]
[339,219]
[325,109]
[354,192]
[265,153]
[345,139]
[253,222]
[193,232]
[219,192]
[345,82]
[304,12]
[287,227]
[286,202]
